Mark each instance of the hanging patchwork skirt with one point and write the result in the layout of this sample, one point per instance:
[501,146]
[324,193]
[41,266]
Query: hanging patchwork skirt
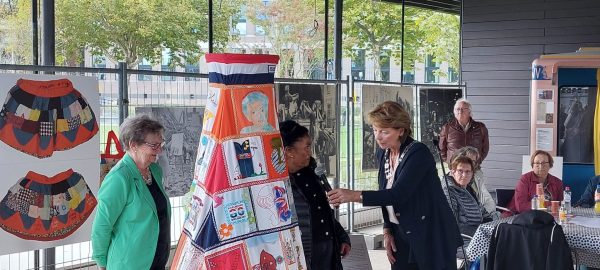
[46,208]
[40,117]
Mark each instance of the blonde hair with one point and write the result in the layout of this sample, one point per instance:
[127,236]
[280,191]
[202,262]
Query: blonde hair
[390,114]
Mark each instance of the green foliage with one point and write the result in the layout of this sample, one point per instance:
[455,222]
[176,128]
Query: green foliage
[377,27]
[295,31]
[123,30]
[15,32]
[131,30]
[373,26]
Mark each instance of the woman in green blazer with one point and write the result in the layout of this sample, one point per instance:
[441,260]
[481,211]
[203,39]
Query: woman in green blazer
[131,229]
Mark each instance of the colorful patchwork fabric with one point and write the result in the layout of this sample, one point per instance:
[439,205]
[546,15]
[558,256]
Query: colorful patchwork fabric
[40,117]
[241,214]
[46,209]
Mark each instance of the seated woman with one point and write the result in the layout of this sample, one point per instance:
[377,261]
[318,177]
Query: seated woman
[467,209]
[541,162]
[587,199]
[478,183]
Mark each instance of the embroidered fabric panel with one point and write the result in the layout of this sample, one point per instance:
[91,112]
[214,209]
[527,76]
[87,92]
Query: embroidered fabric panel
[241,213]
[46,208]
[40,117]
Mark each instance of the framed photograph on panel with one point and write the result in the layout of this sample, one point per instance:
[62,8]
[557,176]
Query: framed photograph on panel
[312,106]
[183,126]
[372,95]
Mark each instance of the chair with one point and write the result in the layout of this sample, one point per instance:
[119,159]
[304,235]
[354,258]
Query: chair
[503,198]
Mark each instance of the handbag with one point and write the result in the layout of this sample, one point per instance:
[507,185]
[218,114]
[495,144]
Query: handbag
[107,159]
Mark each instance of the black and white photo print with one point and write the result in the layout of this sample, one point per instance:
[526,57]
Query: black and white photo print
[576,124]
[183,126]
[436,107]
[372,95]
[312,106]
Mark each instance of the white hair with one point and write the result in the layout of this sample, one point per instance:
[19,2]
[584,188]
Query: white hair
[462,100]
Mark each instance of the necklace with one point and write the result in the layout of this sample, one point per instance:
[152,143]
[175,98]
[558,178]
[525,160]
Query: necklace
[148,177]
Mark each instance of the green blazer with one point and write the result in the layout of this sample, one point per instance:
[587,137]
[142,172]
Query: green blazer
[125,229]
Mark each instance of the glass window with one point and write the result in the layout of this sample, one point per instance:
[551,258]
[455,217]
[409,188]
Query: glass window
[431,68]
[452,75]
[144,65]
[192,68]
[384,61]
[165,65]
[358,64]
[99,61]
[240,27]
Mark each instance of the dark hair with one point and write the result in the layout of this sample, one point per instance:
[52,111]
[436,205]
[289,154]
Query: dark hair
[291,132]
[135,128]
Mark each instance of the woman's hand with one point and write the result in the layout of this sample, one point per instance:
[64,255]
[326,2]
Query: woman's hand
[390,246]
[344,250]
[341,195]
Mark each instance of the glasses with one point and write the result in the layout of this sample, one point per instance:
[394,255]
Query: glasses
[541,163]
[462,109]
[461,172]
[155,146]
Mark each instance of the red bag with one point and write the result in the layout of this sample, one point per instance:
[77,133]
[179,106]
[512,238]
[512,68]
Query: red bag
[107,159]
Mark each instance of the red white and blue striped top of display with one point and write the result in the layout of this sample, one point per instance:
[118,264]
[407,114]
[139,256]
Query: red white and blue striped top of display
[234,69]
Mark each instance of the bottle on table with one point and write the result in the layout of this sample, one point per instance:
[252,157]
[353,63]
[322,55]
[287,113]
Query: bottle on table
[534,202]
[597,199]
[567,199]
[562,214]
[539,190]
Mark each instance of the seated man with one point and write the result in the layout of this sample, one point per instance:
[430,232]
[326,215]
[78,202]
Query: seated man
[478,182]
[587,199]
[469,212]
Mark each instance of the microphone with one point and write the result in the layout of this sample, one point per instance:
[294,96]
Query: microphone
[320,172]
[436,142]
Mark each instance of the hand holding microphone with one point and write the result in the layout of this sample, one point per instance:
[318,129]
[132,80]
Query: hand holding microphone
[321,172]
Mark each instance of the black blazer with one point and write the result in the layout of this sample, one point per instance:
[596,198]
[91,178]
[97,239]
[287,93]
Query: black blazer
[420,206]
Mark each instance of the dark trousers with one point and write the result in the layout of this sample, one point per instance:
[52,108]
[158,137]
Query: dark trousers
[404,258]
[322,253]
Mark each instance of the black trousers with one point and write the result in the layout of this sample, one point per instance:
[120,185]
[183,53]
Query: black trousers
[403,255]
[322,255]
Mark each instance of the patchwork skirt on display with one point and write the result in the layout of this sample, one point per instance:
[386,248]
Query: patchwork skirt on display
[40,117]
[46,208]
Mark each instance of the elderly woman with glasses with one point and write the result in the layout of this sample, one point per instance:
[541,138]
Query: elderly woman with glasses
[463,131]
[463,199]
[477,184]
[131,229]
[541,162]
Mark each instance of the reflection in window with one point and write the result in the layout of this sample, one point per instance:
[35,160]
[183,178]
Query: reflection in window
[192,68]
[165,65]
[144,65]
[99,61]
[452,75]
[430,70]
[358,65]
[384,62]
[240,27]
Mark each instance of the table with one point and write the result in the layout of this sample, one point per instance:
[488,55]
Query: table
[584,241]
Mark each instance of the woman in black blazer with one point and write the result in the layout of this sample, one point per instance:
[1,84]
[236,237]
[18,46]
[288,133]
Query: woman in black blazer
[419,229]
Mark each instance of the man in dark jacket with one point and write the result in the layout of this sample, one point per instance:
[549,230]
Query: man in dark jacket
[463,131]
